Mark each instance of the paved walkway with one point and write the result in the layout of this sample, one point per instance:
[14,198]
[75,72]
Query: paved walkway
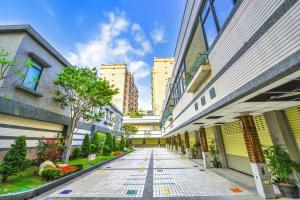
[151,174]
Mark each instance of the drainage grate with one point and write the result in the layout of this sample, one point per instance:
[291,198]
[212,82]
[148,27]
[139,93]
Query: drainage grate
[202,170]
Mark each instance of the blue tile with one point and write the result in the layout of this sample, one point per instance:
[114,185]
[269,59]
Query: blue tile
[66,192]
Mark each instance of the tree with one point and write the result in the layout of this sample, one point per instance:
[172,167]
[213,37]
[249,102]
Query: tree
[114,143]
[83,93]
[129,129]
[15,159]
[9,69]
[138,113]
[96,142]
[122,143]
[108,142]
[86,145]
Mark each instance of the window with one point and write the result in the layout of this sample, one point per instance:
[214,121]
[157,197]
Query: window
[212,93]
[196,106]
[203,102]
[213,17]
[32,76]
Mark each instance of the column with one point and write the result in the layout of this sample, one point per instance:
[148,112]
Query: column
[256,157]
[179,144]
[204,147]
[220,145]
[281,134]
[175,146]
[187,144]
[198,146]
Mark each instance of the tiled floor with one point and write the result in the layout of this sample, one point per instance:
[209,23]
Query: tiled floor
[151,174]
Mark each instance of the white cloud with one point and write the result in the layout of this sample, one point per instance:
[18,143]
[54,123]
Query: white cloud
[158,34]
[111,44]
[140,69]
[48,8]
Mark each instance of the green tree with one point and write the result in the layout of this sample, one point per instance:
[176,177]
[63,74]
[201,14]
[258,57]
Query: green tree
[122,143]
[83,93]
[86,145]
[108,142]
[9,68]
[114,143]
[15,159]
[129,129]
[96,142]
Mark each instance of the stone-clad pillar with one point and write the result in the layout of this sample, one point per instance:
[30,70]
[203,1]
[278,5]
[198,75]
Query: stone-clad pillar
[179,144]
[204,147]
[187,144]
[198,145]
[281,134]
[256,157]
[220,145]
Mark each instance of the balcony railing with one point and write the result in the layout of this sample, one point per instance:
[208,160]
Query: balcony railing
[201,59]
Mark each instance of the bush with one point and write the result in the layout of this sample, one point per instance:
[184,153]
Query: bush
[108,143]
[51,174]
[114,144]
[76,152]
[117,153]
[69,169]
[79,167]
[122,144]
[86,146]
[15,159]
[106,150]
[93,148]
[50,149]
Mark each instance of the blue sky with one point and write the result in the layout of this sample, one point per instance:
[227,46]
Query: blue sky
[92,32]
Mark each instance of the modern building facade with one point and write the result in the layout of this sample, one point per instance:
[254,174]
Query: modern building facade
[236,81]
[27,106]
[118,75]
[148,134]
[161,73]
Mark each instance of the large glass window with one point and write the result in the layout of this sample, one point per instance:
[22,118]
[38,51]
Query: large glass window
[213,17]
[32,76]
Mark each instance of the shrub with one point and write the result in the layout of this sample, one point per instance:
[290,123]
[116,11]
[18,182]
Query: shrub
[51,174]
[114,144]
[66,170]
[79,167]
[76,152]
[117,153]
[86,146]
[50,149]
[96,142]
[106,150]
[15,159]
[108,143]
[122,144]
[93,148]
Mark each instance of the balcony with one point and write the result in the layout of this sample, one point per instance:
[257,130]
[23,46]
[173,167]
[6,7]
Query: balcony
[198,72]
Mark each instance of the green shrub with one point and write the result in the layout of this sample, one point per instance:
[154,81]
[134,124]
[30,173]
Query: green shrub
[108,143]
[114,144]
[96,142]
[86,146]
[76,152]
[106,150]
[50,149]
[15,159]
[93,148]
[80,167]
[51,174]
[122,144]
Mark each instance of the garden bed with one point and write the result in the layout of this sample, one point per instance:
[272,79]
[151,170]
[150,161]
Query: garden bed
[29,179]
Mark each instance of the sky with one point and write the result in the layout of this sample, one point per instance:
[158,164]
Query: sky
[94,32]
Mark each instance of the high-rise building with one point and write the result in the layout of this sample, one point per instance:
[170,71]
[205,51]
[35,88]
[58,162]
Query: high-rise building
[161,73]
[118,75]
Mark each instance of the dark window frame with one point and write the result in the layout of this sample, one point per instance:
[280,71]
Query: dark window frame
[212,93]
[216,21]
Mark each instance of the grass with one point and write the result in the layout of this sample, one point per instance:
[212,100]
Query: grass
[87,163]
[28,179]
[24,180]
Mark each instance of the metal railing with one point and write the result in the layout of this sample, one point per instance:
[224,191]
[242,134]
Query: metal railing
[201,59]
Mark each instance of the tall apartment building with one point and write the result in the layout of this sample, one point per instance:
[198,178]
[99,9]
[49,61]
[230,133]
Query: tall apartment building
[236,81]
[161,73]
[118,75]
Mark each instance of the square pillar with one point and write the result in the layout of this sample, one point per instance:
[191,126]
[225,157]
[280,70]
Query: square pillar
[220,145]
[198,145]
[179,144]
[281,134]
[204,147]
[258,165]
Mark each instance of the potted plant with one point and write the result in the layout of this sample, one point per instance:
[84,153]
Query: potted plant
[281,167]
[214,153]
[194,151]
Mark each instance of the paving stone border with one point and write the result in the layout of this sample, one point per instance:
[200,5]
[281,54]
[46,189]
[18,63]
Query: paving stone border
[49,186]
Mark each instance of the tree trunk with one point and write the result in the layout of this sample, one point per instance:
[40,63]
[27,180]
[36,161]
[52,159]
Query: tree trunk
[68,145]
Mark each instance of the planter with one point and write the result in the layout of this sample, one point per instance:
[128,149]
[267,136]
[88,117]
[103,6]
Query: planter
[288,190]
